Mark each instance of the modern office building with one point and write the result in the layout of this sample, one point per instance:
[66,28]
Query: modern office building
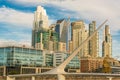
[48,59]
[46,40]
[40,23]
[16,60]
[107,43]
[70,50]
[73,66]
[79,34]
[20,56]
[94,42]
[62,27]
[40,19]
[43,37]
[26,60]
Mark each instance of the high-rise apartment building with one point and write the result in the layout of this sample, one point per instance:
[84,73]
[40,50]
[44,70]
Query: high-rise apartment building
[47,40]
[79,34]
[94,42]
[42,37]
[70,47]
[40,23]
[107,43]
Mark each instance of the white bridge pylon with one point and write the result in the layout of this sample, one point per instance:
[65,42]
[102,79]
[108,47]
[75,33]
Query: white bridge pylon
[61,67]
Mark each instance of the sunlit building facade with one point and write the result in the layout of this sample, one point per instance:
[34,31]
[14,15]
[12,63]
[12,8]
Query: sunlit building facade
[79,34]
[94,42]
[26,60]
[62,47]
[62,28]
[90,64]
[74,64]
[20,56]
[107,43]
[43,37]
[40,23]
[40,19]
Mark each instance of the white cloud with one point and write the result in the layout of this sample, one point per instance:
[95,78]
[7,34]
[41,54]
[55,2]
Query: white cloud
[98,10]
[14,17]
[89,10]
[4,42]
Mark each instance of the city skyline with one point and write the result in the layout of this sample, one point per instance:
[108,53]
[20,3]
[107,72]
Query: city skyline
[13,26]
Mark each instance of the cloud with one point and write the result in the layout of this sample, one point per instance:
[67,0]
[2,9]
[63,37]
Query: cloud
[14,17]
[4,42]
[17,38]
[16,26]
[98,10]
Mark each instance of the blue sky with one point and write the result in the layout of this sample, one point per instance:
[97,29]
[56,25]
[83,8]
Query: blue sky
[16,17]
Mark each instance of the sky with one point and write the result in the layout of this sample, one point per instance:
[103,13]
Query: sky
[16,18]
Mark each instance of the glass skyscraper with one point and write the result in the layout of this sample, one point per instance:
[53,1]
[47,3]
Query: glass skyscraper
[62,28]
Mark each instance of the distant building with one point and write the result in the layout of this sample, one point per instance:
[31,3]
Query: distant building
[52,27]
[26,60]
[48,59]
[20,56]
[40,23]
[89,64]
[107,43]
[94,41]
[40,19]
[59,57]
[70,47]
[73,66]
[62,27]
[79,34]
[62,47]
[46,40]
[43,37]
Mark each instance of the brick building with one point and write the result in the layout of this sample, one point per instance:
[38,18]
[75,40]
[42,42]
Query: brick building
[89,64]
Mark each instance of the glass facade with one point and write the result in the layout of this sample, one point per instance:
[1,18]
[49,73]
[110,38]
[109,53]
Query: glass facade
[45,38]
[60,57]
[57,29]
[74,63]
[30,57]
[3,56]
[18,56]
[49,60]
